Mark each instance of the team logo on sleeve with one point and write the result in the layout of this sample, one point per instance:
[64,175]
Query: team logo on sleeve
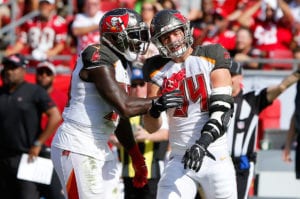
[112,116]
[226,55]
[96,56]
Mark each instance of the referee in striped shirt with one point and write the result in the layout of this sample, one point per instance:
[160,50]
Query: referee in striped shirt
[242,133]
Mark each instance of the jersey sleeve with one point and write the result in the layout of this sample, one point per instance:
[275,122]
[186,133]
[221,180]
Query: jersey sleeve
[152,65]
[216,52]
[97,56]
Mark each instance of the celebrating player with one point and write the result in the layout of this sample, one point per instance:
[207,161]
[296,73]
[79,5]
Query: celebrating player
[199,153]
[99,105]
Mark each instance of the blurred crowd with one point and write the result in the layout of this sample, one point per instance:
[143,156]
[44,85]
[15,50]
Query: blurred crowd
[247,28]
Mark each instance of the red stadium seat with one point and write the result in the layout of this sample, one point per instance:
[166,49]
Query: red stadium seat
[269,118]
[279,54]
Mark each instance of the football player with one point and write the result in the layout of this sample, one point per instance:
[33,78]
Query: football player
[197,135]
[99,105]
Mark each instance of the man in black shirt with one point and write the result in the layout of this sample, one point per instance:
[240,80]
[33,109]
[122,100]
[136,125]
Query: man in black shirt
[21,107]
[242,133]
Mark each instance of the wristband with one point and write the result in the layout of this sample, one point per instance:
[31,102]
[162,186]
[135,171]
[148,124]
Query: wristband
[205,139]
[37,143]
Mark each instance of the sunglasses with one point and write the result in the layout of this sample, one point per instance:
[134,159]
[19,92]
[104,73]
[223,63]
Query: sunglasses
[140,84]
[147,9]
[44,71]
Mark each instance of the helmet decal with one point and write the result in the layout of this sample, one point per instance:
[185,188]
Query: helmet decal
[115,23]
[124,31]
[180,17]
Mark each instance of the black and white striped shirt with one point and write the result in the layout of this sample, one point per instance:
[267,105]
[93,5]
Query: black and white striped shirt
[242,132]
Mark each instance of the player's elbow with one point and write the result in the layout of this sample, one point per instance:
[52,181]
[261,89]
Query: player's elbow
[125,111]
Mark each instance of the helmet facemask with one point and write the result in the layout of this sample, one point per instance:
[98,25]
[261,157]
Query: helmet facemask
[137,40]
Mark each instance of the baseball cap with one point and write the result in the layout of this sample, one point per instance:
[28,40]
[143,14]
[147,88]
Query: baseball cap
[48,65]
[15,60]
[49,1]
[235,68]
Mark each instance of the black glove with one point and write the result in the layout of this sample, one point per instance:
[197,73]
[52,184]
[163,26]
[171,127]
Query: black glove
[171,99]
[193,157]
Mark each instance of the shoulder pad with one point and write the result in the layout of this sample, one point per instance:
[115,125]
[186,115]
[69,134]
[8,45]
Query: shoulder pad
[215,52]
[153,64]
[96,55]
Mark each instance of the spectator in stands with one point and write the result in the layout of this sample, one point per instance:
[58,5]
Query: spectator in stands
[167,4]
[21,107]
[45,35]
[241,134]
[5,15]
[45,75]
[190,8]
[270,22]
[219,31]
[294,6]
[149,9]
[229,6]
[244,50]
[85,25]
[29,6]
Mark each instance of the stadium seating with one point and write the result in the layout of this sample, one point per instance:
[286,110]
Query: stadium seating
[279,54]
[269,118]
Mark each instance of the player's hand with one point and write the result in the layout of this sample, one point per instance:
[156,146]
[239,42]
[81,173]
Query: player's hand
[193,157]
[170,99]
[140,177]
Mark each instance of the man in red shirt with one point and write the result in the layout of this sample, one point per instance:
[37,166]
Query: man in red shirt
[44,36]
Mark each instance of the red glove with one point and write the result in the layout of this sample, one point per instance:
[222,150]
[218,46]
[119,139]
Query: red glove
[139,166]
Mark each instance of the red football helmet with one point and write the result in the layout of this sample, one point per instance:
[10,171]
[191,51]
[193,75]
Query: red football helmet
[124,31]
[166,21]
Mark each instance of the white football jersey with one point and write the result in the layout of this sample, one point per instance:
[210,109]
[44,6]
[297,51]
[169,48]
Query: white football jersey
[88,118]
[192,77]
